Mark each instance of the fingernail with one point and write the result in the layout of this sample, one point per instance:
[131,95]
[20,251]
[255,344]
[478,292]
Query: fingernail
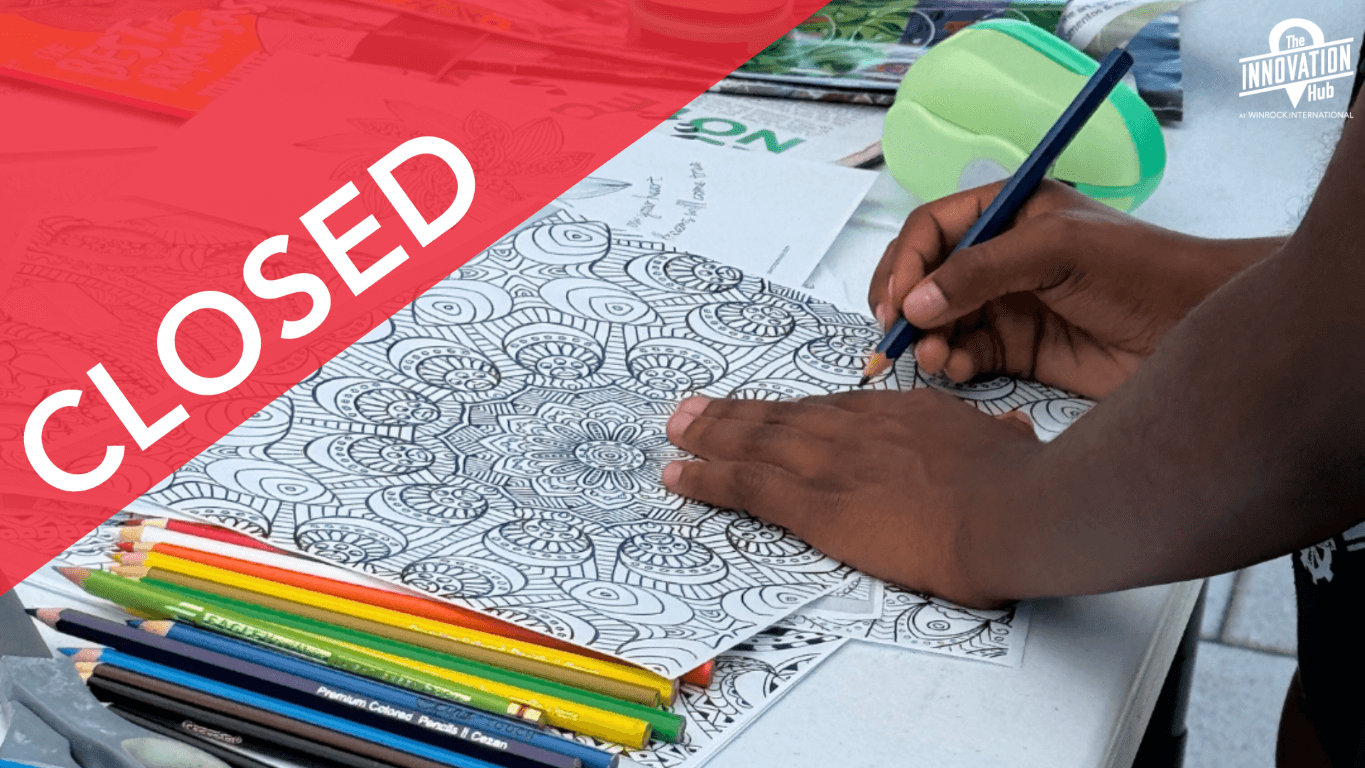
[891,286]
[882,311]
[925,302]
[687,412]
[694,405]
[671,473]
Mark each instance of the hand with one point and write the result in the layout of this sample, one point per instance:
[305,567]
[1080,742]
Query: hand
[1074,294]
[895,484]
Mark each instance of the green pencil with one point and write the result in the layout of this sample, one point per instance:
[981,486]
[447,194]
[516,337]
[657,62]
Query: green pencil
[667,726]
[132,594]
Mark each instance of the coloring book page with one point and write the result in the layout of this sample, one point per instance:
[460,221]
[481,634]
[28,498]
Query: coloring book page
[749,678]
[499,441]
[917,621]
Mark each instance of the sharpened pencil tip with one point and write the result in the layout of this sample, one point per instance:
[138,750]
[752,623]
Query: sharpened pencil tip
[68,651]
[74,574]
[32,612]
[876,364]
[864,380]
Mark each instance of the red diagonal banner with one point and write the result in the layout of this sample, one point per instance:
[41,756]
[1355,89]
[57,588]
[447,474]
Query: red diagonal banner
[333,169]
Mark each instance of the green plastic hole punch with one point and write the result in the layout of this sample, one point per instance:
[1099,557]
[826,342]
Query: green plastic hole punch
[973,107]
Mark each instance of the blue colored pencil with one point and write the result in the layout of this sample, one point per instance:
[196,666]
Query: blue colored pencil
[1020,186]
[400,697]
[286,709]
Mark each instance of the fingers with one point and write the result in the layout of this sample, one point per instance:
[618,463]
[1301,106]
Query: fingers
[763,490]
[787,434]
[1027,258]
[928,235]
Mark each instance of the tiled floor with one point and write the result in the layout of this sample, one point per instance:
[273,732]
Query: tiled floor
[1246,657]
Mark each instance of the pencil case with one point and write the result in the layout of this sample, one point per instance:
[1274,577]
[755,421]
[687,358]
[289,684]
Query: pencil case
[973,107]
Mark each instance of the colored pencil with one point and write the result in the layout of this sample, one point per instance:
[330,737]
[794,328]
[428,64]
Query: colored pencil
[204,530]
[411,722]
[615,689]
[613,679]
[267,657]
[289,709]
[209,611]
[530,690]
[178,732]
[150,539]
[340,582]
[270,722]
[1016,191]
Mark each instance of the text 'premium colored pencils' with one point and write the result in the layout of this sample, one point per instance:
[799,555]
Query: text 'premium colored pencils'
[1017,190]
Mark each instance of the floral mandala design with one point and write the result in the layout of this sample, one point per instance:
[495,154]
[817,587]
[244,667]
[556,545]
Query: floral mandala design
[605,454]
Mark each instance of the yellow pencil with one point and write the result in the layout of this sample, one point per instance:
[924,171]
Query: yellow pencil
[560,666]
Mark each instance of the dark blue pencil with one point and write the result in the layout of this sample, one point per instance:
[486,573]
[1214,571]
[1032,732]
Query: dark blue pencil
[1022,184]
[400,697]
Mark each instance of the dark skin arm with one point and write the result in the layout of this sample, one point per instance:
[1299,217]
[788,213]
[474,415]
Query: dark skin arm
[1211,450]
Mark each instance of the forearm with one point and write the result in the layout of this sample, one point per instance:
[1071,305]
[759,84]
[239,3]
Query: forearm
[1241,438]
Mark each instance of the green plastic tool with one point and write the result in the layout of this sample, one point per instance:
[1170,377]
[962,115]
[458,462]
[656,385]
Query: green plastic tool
[971,109]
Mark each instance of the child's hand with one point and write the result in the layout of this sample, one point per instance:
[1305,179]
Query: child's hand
[901,485]
[1074,294]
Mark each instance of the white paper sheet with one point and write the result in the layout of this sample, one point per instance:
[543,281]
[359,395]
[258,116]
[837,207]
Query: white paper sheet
[920,622]
[770,218]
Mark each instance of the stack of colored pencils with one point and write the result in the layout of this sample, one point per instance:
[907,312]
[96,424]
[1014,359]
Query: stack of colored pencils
[246,646]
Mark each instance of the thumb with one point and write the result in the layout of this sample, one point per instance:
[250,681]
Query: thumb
[1014,262]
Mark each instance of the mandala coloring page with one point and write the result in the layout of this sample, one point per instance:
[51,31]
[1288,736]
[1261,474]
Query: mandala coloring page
[499,441]
[923,623]
[748,679]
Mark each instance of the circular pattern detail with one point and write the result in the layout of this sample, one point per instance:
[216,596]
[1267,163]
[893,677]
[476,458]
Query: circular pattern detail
[429,504]
[468,577]
[554,541]
[565,243]
[609,455]
[376,402]
[464,371]
[745,323]
[556,352]
[685,272]
[670,558]
[597,300]
[348,540]
[460,302]
[369,455]
[674,366]
[771,545]
[840,357]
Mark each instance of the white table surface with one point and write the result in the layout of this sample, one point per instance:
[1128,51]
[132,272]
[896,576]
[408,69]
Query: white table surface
[1093,666]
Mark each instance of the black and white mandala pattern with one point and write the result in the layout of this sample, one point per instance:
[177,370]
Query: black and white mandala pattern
[499,442]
